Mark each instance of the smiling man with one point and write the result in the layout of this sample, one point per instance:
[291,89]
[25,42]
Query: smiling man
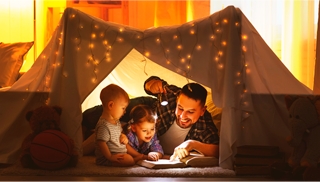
[183,124]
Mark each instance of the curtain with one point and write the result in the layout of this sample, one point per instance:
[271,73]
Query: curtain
[316,86]
[288,27]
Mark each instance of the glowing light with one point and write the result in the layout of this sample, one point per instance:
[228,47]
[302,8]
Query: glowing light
[225,21]
[96,26]
[188,67]
[238,73]
[199,47]
[192,32]
[212,37]
[248,71]
[244,48]
[91,46]
[216,59]
[147,54]
[121,30]
[158,40]
[93,35]
[73,15]
[120,39]
[93,80]
[179,47]
[175,37]
[168,62]
[183,60]
[188,56]
[220,66]
[244,37]
[105,42]
[224,43]
[237,24]
[220,53]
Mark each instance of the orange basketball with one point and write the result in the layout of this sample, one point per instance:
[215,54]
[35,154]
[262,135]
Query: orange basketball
[51,149]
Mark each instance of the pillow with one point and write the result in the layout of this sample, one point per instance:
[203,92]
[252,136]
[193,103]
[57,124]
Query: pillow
[11,59]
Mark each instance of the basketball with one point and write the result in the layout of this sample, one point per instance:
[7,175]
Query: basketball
[51,149]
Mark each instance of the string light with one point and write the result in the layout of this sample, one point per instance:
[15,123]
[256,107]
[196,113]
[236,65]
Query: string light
[175,54]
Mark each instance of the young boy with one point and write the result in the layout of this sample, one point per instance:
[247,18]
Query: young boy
[110,143]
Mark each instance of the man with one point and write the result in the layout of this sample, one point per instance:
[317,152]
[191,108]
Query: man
[183,124]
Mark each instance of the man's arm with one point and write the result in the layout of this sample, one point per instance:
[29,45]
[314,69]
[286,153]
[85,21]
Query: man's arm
[183,150]
[154,85]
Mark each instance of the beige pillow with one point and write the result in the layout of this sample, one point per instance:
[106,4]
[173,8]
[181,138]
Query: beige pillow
[11,59]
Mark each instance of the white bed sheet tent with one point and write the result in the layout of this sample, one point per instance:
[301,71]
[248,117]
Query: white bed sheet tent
[223,51]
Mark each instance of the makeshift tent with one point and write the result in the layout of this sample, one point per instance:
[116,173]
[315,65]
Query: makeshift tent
[223,52]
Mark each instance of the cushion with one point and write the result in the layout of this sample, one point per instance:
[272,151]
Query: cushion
[11,59]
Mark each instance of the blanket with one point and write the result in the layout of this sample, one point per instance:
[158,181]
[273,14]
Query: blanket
[87,167]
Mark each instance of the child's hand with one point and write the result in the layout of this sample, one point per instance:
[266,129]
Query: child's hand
[153,156]
[117,158]
[123,139]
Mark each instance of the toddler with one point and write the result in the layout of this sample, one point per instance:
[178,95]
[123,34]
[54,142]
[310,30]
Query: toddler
[141,134]
[110,143]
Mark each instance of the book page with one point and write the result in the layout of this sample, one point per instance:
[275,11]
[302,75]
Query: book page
[161,164]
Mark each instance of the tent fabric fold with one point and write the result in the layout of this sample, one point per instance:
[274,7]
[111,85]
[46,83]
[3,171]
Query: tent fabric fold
[223,52]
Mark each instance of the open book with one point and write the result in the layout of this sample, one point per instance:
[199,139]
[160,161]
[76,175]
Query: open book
[193,160]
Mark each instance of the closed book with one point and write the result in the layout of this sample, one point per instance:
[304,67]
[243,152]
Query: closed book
[258,160]
[252,170]
[258,150]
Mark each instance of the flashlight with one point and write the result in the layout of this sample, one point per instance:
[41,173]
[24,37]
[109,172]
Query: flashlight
[163,99]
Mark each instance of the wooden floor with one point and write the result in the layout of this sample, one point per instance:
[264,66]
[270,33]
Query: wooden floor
[140,179]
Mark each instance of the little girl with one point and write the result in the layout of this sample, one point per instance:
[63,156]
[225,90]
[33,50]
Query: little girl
[141,134]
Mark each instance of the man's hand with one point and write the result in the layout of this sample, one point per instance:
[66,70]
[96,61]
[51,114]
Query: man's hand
[123,139]
[155,87]
[182,150]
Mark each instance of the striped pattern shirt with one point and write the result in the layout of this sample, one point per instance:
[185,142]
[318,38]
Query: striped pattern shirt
[110,133]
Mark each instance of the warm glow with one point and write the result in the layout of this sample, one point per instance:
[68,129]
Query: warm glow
[189,8]
[17,25]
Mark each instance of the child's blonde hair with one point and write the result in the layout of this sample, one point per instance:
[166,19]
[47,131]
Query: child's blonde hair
[112,92]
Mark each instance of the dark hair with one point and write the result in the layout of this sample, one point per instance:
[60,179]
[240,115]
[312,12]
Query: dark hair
[140,113]
[195,91]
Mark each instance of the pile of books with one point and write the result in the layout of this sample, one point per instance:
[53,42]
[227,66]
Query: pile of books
[256,159]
